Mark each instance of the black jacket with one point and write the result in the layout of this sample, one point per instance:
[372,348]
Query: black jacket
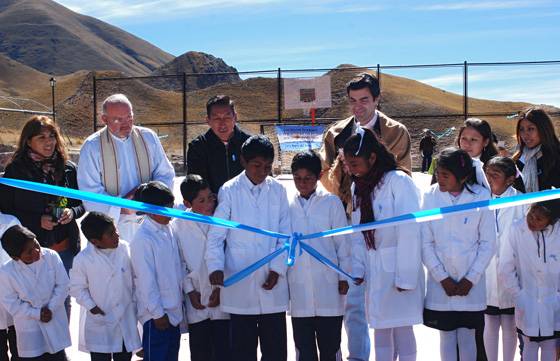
[545,181]
[208,157]
[29,206]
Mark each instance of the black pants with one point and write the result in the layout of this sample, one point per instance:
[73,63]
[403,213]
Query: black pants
[269,330]
[426,162]
[59,356]
[116,356]
[8,337]
[210,340]
[313,332]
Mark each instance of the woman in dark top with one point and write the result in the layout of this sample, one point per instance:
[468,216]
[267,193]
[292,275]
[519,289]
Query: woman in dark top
[41,157]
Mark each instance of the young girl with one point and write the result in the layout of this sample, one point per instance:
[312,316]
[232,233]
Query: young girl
[538,152]
[456,252]
[530,273]
[388,259]
[501,174]
[476,138]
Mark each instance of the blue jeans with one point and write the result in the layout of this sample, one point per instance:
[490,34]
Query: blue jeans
[160,345]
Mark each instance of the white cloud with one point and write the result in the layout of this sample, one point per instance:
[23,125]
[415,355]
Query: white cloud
[481,5]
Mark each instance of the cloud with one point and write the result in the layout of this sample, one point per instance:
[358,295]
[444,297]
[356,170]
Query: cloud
[481,5]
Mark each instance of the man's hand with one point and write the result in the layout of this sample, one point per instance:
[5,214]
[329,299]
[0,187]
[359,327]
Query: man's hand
[194,297]
[464,287]
[47,222]
[449,286]
[97,311]
[129,195]
[162,323]
[217,278]
[214,300]
[343,287]
[342,160]
[271,280]
[46,314]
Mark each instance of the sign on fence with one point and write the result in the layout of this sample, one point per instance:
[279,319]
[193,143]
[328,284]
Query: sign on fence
[297,138]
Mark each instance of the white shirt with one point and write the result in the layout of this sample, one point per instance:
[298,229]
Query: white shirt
[24,290]
[103,278]
[158,272]
[90,167]
[269,210]
[6,221]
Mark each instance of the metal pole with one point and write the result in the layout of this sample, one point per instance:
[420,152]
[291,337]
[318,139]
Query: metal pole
[279,95]
[379,80]
[94,103]
[184,122]
[465,89]
[53,84]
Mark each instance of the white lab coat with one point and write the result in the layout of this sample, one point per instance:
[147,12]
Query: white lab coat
[479,173]
[24,290]
[314,286]
[90,174]
[105,281]
[192,244]
[6,221]
[530,272]
[158,272]
[270,211]
[457,246]
[504,218]
[397,259]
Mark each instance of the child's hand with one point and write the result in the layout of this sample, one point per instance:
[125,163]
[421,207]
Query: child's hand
[194,297]
[358,281]
[46,314]
[343,287]
[217,278]
[464,287]
[271,281]
[449,286]
[214,300]
[97,311]
[162,323]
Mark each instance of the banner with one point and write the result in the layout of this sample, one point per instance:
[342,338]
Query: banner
[298,138]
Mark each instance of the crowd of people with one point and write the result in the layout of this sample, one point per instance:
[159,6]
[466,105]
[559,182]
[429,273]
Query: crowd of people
[143,279]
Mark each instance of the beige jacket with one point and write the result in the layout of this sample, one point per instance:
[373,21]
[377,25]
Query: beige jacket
[392,133]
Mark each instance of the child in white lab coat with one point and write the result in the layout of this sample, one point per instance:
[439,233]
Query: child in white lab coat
[158,277]
[33,287]
[317,293]
[530,273]
[7,330]
[209,327]
[388,259]
[257,304]
[101,282]
[456,252]
[501,174]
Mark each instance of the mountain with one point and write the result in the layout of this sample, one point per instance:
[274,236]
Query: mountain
[51,38]
[18,79]
[194,62]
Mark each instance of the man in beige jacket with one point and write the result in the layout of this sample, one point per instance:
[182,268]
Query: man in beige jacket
[363,97]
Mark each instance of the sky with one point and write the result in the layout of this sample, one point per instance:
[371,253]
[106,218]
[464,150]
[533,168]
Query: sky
[300,34]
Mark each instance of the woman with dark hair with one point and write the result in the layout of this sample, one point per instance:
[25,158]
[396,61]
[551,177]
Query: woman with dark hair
[538,155]
[41,157]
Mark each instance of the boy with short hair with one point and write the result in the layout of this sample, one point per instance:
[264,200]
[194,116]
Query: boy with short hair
[257,304]
[209,336]
[317,293]
[158,273]
[7,330]
[101,282]
[33,287]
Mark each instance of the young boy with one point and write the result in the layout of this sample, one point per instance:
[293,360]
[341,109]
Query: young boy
[209,336]
[33,287]
[7,330]
[258,303]
[317,293]
[158,273]
[101,282]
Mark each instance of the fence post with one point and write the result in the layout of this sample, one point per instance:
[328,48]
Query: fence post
[184,122]
[279,95]
[465,89]
[94,102]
